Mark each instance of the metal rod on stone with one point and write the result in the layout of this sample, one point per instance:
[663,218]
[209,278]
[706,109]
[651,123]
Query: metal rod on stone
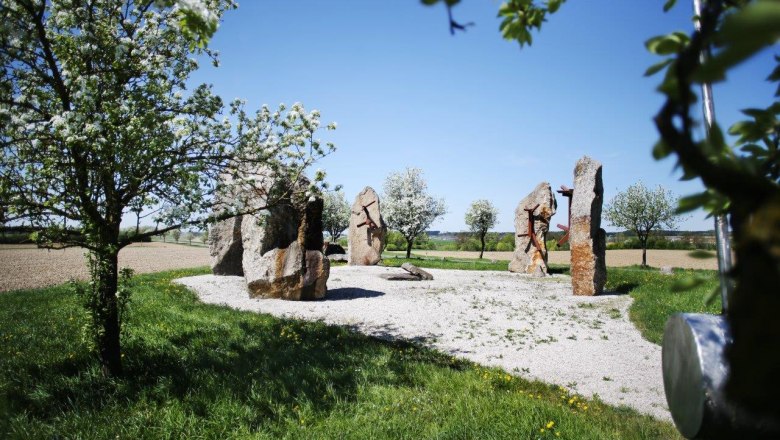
[721,222]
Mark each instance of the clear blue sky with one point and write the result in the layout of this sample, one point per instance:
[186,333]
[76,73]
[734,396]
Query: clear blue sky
[481,117]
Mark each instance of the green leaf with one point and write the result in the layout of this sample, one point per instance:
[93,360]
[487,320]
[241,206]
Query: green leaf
[669,5]
[742,35]
[686,284]
[667,44]
[553,5]
[661,150]
[693,202]
[710,297]
[655,68]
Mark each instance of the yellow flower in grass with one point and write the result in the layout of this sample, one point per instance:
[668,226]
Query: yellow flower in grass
[550,424]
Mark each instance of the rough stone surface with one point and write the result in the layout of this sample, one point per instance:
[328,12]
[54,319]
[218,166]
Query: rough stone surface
[225,247]
[278,250]
[586,238]
[283,253]
[366,242]
[414,270]
[527,258]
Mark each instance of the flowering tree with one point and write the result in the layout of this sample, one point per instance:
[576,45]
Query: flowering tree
[407,207]
[335,214]
[642,210]
[480,217]
[96,122]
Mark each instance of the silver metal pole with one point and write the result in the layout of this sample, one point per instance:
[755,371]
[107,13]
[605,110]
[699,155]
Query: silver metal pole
[721,222]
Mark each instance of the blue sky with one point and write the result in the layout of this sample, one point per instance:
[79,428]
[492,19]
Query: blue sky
[481,117]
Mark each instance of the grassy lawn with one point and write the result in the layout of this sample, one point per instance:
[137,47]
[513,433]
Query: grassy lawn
[203,371]
[655,299]
[397,259]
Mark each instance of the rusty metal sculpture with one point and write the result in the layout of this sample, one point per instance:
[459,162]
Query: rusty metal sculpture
[566,192]
[369,221]
[531,232]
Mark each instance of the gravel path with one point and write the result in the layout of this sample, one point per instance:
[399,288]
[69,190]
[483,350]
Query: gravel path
[530,327]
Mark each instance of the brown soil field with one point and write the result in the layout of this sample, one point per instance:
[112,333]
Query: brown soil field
[615,258]
[27,267]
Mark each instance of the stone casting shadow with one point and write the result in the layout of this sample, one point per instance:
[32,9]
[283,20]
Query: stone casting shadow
[347,293]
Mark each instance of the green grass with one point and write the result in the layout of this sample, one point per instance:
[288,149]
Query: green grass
[204,371]
[655,298]
[397,259]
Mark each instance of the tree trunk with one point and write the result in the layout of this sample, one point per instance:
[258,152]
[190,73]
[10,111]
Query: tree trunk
[107,313]
[482,250]
[644,253]
[409,247]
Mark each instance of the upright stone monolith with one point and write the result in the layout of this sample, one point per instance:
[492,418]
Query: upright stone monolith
[367,230]
[531,252]
[225,247]
[278,250]
[283,253]
[587,240]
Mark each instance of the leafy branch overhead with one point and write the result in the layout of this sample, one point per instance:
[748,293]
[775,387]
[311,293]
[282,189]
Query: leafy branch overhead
[518,17]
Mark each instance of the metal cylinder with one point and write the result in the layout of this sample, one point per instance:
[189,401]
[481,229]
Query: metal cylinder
[694,373]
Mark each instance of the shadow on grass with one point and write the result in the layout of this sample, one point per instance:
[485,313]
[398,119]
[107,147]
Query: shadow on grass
[258,362]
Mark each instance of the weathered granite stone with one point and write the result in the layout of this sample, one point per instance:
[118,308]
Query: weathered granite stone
[367,230]
[527,258]
[225,247]
[283,253]
[414,270]
[587,240]
[279,249]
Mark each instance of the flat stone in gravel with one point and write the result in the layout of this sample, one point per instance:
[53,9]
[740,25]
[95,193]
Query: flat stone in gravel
[530,327]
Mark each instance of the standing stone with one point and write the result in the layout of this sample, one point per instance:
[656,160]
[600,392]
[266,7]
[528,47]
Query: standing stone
[587,240]
[367,230]
[527,258]
[225,247]
[283,253]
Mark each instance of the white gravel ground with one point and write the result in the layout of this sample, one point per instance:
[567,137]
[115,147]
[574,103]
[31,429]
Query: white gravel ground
[531,327]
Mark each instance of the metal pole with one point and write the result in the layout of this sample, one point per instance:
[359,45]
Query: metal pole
[721,222]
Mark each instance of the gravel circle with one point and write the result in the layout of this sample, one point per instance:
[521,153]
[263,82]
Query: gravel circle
[530,327]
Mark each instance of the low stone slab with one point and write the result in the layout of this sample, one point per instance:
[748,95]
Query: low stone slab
[400,277]
[414,270]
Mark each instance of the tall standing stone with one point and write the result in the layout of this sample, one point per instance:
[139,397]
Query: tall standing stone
[587,240]
[527,258]
[225,247]
[367,230]
[283,253]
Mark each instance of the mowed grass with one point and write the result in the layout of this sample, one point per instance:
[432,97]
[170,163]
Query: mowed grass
[397,259]
[656,297]
[204,371]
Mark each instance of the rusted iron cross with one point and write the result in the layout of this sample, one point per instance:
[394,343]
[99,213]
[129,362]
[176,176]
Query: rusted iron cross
[566,192]
[531,232]
[368,221]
